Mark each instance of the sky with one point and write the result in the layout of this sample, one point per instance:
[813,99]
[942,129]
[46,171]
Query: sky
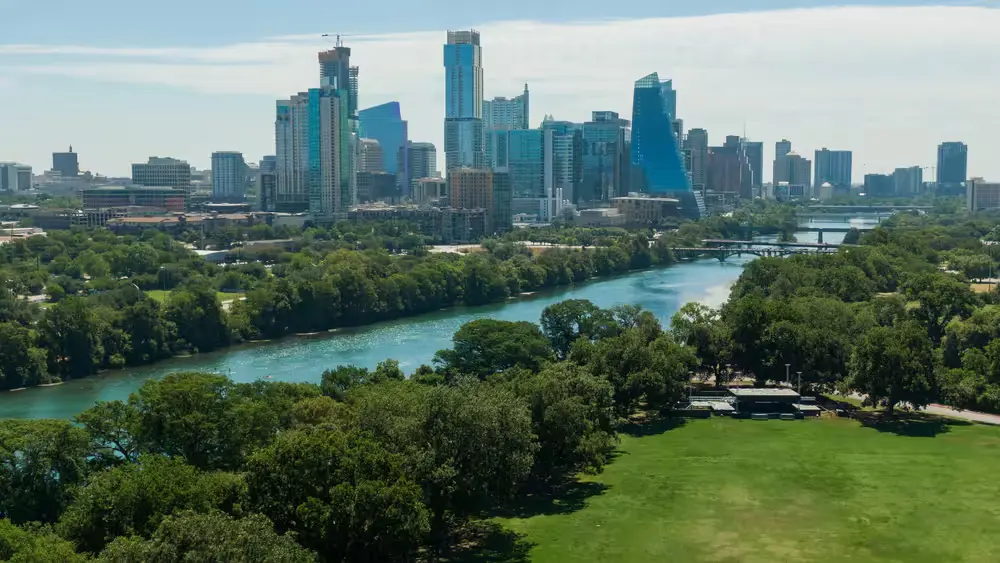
[122,80]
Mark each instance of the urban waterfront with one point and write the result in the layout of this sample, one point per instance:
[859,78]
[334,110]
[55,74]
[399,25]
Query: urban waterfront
[411,341]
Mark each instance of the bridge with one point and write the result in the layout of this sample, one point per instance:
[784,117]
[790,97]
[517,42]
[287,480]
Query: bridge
[868,208]
[821,230]
[722,249]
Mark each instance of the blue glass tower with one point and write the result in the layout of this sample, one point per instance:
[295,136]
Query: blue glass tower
[463,113]
[657,162]
[385,124]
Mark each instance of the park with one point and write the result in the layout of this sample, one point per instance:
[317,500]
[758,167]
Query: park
[832,489]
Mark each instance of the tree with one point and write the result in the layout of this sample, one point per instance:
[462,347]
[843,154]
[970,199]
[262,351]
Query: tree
[572,414]
[941,297]
[204,418]
[74,335]
[470,444]
[40,462]
[22,364]
[487,346]
[190,537]
[113,427]
[133,499]
[701,328]
[199,319]
[565,322]
[343,495]
[892,365]
[35,544]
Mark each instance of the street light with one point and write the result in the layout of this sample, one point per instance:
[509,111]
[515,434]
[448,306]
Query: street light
[800,390]
[788,377]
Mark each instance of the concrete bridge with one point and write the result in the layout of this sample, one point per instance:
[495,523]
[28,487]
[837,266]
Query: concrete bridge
[867,208]
[723,249]
[821,230]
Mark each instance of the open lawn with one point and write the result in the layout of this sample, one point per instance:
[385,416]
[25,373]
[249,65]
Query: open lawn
[162,296]
[827,490]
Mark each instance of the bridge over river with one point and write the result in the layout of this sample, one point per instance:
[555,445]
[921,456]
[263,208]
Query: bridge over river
[722,249]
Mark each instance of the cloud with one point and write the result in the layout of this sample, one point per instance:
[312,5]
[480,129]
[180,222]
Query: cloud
[889,83]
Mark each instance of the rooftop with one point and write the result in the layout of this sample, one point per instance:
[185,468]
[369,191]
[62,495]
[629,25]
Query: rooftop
[750,393]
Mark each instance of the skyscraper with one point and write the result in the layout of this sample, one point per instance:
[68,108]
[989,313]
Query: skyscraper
[504,113]
[697,148]
[908,181]
[566,156]
[162,172]
[370,156]
[728,170]
[267,182]
[656,156]
[385,124]
[755,157]
[336,72]
[422,158]
[228,177]
[952,168]
[669,98]
[604,157]
[66,163]
[463,117]
[315,153]
[833,167]
[781,150]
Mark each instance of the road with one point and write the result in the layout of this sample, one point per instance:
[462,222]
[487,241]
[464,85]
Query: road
[971,416]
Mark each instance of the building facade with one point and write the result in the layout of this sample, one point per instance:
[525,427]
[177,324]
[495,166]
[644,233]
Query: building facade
[15,177]
[335,71]
[728,170]
[370,156]
[267,182]
[422,158]
[228,177]
[833,167]
[67,164]
[646,211]
[879,185]
[908,181]
[507,113]
[657,160]
[463,127]
[982,195]
[377,186]
[952,168]
[385,124]
[604,157]
[780,172]
[163,173]
[162,199]
[566,157]
[696,148]
[755,157]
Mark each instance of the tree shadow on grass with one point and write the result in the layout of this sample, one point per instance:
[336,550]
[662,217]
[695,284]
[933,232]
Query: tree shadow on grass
[566,499]
[489,542]
[652,427]
[914,425]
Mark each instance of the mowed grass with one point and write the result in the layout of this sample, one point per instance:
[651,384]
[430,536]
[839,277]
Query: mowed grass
[828,490]
[163,296]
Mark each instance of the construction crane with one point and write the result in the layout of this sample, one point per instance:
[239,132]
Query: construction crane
[337,36]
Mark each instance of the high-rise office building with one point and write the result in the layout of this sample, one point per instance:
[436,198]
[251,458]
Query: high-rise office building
[315,153]
[463,117]
[470,188]
[696,146]
[229,172]
[423,159]
[952,168]
[267,182]
[535,160]
[162,172]
[604,157]
[370,156]
[15,177]
[66,164]
[834,168]
[755,157]
[879,185]
[500,215]
[385,124]
[982,195]
[567,141]
[728,169]
[657,160]
[781,150]
[669,99]
[507,113]
[908,181]
[336,72]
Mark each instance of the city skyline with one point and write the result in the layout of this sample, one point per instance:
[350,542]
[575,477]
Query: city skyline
[888,120]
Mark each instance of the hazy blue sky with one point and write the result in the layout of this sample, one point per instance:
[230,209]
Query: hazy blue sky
[122,80]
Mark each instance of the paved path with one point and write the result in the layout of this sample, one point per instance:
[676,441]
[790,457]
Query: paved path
[973,416]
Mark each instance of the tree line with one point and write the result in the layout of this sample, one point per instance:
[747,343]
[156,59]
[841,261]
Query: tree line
[368,465]
[124,301]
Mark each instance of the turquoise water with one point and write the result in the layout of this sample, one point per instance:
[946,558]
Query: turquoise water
[411,341]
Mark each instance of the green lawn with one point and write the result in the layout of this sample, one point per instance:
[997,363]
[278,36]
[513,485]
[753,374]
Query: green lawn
[828,490]
[162,296]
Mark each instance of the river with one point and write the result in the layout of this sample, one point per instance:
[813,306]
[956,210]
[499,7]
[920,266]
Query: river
[411,341]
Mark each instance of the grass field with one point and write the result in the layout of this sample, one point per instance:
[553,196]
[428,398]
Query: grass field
[162,296]
[827,490]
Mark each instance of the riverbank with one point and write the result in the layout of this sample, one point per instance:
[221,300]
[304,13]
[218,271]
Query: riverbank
[412,341]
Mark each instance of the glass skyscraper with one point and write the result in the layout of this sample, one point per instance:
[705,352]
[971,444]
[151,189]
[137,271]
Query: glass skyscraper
[385,124]
[604,157]
[952,168]
[463,117]
[656,156]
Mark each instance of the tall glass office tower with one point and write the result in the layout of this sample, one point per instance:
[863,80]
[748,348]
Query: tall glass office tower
[385,124]
[463,117]
[952,168]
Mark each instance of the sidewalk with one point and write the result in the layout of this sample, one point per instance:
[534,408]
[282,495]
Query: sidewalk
[973,416]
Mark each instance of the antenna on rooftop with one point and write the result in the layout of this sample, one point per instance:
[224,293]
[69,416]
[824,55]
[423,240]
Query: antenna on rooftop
[337,38]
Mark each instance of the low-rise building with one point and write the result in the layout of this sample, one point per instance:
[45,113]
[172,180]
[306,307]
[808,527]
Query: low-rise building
[448,225]
[640,210]
[600,217]
[982,195]
[165,199]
